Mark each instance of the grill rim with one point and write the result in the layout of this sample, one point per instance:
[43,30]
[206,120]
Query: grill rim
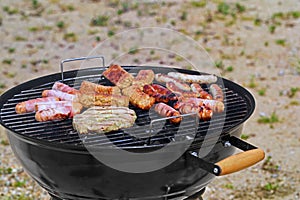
[71,74]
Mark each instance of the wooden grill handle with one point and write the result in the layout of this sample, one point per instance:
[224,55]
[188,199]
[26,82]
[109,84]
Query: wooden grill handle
[240,161]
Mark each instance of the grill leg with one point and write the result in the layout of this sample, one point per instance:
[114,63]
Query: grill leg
[197,196]
[54,197]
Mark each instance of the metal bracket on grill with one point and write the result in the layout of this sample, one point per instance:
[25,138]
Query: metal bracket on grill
[78,59]
[151,130]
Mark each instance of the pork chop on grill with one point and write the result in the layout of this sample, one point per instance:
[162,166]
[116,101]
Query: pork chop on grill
[104,119]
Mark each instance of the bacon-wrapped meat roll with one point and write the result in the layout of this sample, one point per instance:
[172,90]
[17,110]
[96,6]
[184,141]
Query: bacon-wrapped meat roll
[59,94]
[173,87]
[64,88]
[29,106]
[160,93]
[52,114]
[167,111]
[74,107]
[203,112]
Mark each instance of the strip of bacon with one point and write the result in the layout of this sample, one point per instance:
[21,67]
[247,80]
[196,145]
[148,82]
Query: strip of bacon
[59,94]
[175,89]
[28,106]
[216,92]
[64,88]
[215,106]
[167,111]
[203,112]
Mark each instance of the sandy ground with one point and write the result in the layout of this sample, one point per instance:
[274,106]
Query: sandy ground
[254,43]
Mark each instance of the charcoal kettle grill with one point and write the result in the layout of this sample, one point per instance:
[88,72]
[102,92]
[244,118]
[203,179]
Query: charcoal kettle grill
[57,158]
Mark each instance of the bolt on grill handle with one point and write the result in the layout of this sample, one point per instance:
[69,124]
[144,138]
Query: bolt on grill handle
[78,59]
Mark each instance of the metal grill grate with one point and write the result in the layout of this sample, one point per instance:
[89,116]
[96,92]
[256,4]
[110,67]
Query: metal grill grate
[63,132]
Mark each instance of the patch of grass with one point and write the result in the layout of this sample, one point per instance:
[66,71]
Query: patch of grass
[244,136]
[229,186]
[293,91]
[7,61]
[229,69]
[110,33]
[269,120]
[19,183]
[20,38]
[240,8]
[5,171]
[271,186]
[294,103]
[9,10]
[262,92]
[223,8]
[272,28]
[33,29]
[70,37]
[60,24]
[4,142]
[257,22]
[280,42]
[219,64]
[2,86]
[98,38]
[183,16]
[199,4]
[11,50]
[252,83]
[101,20]
[133,50]
[295,14]
[269,165]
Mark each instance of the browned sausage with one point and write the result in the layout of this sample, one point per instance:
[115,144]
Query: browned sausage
[173,87]
[160,93]
[216,92]
[167,111]
[202,93]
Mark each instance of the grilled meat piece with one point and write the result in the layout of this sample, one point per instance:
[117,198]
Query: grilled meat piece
[64,88]
[215,106]
[202,93]
[118,76]
[104,119]
[216,92]
[138,98]
[175,89]
[74,107]
[144,77]
[89,100]
[193,78]
[203,112]
[91,88]
[160,93]
[167,111]
[59,94]
[28,106]
[165,78]
[52,114]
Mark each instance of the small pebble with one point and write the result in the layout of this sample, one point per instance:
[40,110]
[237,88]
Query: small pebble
[262,114]
[281,72]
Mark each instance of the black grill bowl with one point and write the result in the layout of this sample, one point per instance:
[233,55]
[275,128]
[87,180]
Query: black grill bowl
[61,164]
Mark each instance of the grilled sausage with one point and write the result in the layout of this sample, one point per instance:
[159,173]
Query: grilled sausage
[138,98]
[165,78]
[193,78]
[216,92]
[64,88]
[204,113]
[29,106]
[173,87]
[87,87]
[144,77]
[215,106]
[118,76]
[59,94]
[160,93]
[52,114]
[202,93]
[167,111]
[74,107]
